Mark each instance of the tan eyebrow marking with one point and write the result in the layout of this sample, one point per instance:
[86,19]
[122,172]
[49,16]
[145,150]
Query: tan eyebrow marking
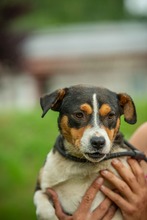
[86,108]
[104,110]
[112,132]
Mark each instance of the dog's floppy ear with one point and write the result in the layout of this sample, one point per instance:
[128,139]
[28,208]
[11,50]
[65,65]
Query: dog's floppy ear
[127,108]
[52,101]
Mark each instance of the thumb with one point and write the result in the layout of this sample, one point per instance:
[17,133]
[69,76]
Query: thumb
[58,209]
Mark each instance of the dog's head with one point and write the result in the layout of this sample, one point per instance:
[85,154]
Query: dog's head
[89,118]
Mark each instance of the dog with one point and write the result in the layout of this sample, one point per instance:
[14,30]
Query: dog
[89,122]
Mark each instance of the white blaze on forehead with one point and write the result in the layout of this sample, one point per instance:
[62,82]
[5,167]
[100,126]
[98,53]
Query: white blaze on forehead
[95,110]
[95,130]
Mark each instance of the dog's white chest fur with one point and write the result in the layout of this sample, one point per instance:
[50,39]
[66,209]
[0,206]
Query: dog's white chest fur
[70,180]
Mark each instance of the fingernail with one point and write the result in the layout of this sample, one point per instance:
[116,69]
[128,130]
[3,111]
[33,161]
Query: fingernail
[104,172]
[115,161]
[102,187]
[49,192]
[100,180]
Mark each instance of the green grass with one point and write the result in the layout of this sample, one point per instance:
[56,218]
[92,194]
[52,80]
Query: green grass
[25,142]
[25,139]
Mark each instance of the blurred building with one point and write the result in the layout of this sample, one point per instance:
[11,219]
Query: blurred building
[111,55]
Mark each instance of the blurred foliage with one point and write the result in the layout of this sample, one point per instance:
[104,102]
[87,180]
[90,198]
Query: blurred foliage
[53,13]
[26,139]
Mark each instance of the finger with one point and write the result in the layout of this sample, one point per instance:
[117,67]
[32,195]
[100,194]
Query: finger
[137,170]
[102,209]
[116,198]
[126,174]
[58,209]
[90,195]
[119,184]
[111,212]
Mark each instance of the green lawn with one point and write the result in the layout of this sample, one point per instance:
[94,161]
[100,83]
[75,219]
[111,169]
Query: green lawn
[25,139]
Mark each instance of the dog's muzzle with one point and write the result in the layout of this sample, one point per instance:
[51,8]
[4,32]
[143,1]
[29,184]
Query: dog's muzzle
[130,151]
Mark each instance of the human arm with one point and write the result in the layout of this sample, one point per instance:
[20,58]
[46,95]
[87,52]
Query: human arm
[139,140]
[105,211]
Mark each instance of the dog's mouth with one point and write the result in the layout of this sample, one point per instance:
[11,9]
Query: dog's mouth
[95,157]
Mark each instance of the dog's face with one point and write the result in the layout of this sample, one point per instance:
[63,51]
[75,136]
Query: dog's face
[89,118]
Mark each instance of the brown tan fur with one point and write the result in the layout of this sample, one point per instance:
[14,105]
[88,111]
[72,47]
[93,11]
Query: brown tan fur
[104,110]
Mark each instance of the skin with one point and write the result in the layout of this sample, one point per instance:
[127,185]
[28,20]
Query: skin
[139,140]
[132,188]
[132,197]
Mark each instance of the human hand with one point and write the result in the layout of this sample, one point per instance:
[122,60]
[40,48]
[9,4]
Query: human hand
[132,199]
[105,211]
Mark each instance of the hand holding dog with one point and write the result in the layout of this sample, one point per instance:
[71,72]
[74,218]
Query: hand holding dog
[105,211]
[132,199]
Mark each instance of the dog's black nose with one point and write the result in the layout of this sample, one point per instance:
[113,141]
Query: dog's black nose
[97,142]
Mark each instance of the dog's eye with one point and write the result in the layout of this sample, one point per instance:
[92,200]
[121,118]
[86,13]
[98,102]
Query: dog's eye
[79,115]
[111,115]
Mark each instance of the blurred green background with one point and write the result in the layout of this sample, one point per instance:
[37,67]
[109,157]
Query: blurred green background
[25,141]
[26,138]
[54,13]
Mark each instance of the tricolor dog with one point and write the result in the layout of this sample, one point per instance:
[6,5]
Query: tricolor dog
[89,121]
